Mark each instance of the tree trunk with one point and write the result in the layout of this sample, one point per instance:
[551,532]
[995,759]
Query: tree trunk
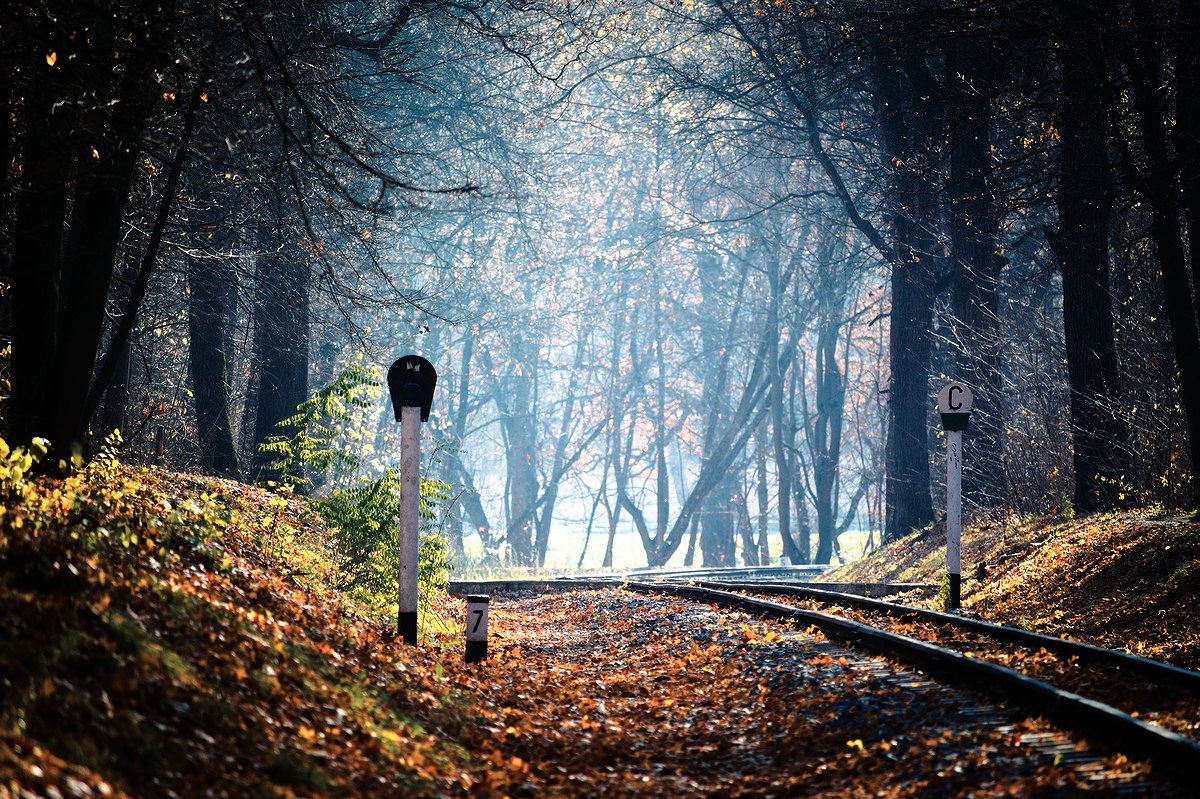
[781,428]
[456,471]
[281,334]
[826,437]
[614,518]
[1081,245]
[977,265]
[95,234]
[1187,135]
[6,181]
[909,496]
[746,528]
[60,287]
[718,539]
[662,475]
[37,259]
[211,291]
[550,492]
[114,411]
[1168,237]
[763,495]
[724,433]
[520,449]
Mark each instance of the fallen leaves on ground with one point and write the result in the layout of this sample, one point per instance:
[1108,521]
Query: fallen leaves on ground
[186,657]
[1126,581]
[168,635]
[611,693]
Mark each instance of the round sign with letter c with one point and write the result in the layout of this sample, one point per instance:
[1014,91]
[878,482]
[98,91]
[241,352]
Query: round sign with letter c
[955,398]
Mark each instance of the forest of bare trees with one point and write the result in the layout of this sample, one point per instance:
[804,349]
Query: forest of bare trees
[689,272]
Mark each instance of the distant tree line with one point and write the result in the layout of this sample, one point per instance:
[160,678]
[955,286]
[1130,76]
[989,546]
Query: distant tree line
[1015,175]
[697,270]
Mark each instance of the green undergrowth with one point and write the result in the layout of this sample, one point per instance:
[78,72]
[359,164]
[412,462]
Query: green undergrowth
[51,527]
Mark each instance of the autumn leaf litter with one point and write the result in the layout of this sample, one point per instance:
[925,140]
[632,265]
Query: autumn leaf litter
[201,651]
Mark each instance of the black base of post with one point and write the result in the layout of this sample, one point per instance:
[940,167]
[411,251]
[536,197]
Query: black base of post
[476,651]
[406,628]
[954,601]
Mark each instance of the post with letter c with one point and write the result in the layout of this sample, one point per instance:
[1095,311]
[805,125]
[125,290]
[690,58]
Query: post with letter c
[954,404]
[477,627]
[410,381]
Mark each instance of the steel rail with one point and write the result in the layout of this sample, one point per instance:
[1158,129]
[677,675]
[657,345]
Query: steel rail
[1154,669]
[1174,754]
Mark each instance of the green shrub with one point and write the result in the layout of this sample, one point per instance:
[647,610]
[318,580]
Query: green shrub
[323,425]
[364,514]
[366,518]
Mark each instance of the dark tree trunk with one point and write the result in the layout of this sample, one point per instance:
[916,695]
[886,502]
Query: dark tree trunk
[95,225]
[115,362]
[977,265]
[114,411]
[1187,135]
[281,335]
[906,144]
[82,137]
[1168,236]
[6,134]
[37,259]
[114,408]
[211,293]
[1081,245]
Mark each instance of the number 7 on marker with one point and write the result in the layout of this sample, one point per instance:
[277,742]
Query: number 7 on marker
[478,614]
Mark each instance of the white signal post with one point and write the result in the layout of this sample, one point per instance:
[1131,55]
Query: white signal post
[411,381]
[954,404]
[410,520]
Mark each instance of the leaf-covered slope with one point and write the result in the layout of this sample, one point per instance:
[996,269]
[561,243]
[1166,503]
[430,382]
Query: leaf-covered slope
[1124,581]
[167,635]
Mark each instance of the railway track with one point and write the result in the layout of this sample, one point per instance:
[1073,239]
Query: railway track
[1136,706]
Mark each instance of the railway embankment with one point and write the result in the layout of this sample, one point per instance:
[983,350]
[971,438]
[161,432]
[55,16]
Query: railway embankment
[1124,581]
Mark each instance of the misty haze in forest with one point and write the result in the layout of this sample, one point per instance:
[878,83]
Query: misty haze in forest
[691,273]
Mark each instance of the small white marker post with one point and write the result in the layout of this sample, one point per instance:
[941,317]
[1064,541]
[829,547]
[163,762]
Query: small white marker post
[477,627]
[411,381]
[954,404]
